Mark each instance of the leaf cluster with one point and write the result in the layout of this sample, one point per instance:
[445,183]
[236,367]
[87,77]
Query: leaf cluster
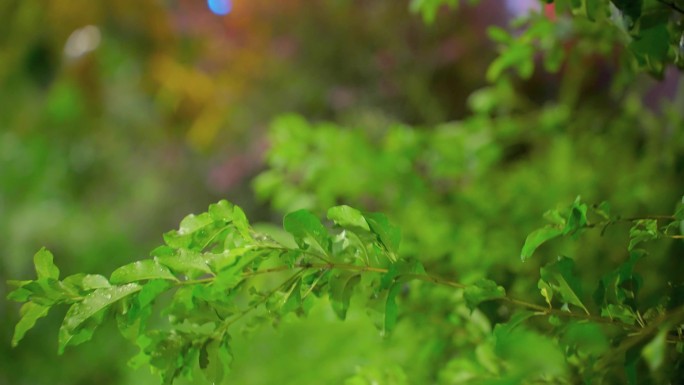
[216,275]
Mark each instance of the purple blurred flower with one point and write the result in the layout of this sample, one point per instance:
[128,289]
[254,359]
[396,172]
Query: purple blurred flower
[522,7]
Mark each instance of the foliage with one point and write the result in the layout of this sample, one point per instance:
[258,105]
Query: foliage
[216,270]
[596,299]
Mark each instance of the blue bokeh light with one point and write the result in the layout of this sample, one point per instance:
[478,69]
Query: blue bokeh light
[220,7]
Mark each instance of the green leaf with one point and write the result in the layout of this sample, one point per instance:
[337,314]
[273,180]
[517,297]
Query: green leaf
[546,291]
[45,267]
[483,290]
[341,289]
[621,285]
[499,35]
[560,276]
[554,217]
[621,312]
[187,262]
[592,9]
[94,281]
[151,290]
[193,223]
[345,216]
[195,232]
[525,351]
[391,308]
[141,270]
[643,230]
[519,56]
[94,302]
[307,230]
[215,359]
[175,240]
[429,8]
[631,359]
[20,294]
[221,211]
[517,319]
[577,218]
[654,352]
[30,313]
[44,291]
[586,337]
[652,44]
[133,322]
[230,274]
[603,209]
[630,8]
[205,329]
[294,298]
[536,239]
[218,262]
[390,235]
[241,223]
[679,212]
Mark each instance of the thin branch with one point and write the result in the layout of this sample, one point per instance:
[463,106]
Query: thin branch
[285,283]
[426,278]
[672,5]
[656,217]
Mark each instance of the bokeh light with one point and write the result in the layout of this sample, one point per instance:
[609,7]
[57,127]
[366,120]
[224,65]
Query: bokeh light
[220,7]
[82,41]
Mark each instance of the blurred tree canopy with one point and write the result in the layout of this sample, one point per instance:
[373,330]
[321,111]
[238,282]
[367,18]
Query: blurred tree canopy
[463,123]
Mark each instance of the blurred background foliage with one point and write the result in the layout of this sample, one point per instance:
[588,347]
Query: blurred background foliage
[118,118]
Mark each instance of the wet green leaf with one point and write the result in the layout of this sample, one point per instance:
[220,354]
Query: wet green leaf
[307,230]
[44,291]
[221,211]
[94,281]
[187,262]
[94,302]
[348,217]
[140,271]
[192,223]
[241,223]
